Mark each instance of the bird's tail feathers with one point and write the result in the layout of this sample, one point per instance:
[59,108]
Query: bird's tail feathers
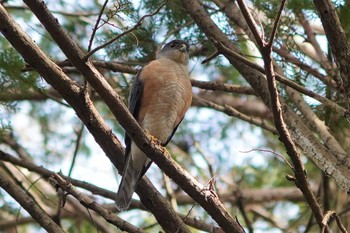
[131,176]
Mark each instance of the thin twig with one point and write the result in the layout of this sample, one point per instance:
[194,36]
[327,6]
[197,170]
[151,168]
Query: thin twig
[272,152]
[94,30]
[204,157]
[76,149]
[211,57]
[170,192]
[275,26]
[136,26]
[327,217]
[337,108]
[188,213]
[234,112]
[250,21]
[93,205]
[244,213]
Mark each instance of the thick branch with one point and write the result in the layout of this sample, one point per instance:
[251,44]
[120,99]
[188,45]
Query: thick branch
[91,204]
[28,203]
[86,112]
[119,110]
[319,126]
[285,137]
[323,158]
[337,39]
[249,196]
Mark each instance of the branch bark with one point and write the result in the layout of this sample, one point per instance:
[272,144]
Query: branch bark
[91,204]
[249,196]
[28,203]
[285,137]
[86,111]
[322,157]
[337,40]
[213,206]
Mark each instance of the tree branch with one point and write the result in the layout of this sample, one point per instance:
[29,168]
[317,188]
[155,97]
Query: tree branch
[28,203]
[249,196]
[85,110]
[312,39]
[91,204]
[251,25]
[119,110]
[328,139]
[280,78]
[285,137]
[337,40]
[136,26]
[94,30]
[220,86]
[322,157]
[233,112]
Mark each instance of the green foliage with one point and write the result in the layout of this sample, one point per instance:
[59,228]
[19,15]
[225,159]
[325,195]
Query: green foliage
[138,47]
[11,75]
[12,80]
[270,7]
[344,16]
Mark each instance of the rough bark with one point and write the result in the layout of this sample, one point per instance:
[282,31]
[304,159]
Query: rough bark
[84,108]
[317,152]
[28,203]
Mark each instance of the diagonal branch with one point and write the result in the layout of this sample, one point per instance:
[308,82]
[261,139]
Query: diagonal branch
[28,203]
[250,21]
[86,111]
[285,137]
[94,30]
[317,152]
[275,26]
[212,205]
[337,40]
[91,204]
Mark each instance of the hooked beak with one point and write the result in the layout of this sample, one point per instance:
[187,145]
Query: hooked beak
[183,48]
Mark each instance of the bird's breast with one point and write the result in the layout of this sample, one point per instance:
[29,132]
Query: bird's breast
[167,95]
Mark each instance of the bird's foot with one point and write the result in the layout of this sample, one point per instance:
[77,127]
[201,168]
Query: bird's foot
[153,139]
[158,143]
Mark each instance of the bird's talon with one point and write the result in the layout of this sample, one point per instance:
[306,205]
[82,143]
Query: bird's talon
[153,139]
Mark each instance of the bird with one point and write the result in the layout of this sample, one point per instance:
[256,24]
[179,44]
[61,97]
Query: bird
[160,95]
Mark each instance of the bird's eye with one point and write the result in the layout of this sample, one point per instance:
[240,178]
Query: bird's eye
[172,45]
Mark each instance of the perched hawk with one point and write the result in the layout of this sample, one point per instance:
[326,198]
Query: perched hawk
[159,98]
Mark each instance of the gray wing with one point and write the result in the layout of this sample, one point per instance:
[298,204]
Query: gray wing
[134,105]
[172,134]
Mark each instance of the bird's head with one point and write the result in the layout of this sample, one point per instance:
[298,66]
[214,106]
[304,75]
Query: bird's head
[176,50]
